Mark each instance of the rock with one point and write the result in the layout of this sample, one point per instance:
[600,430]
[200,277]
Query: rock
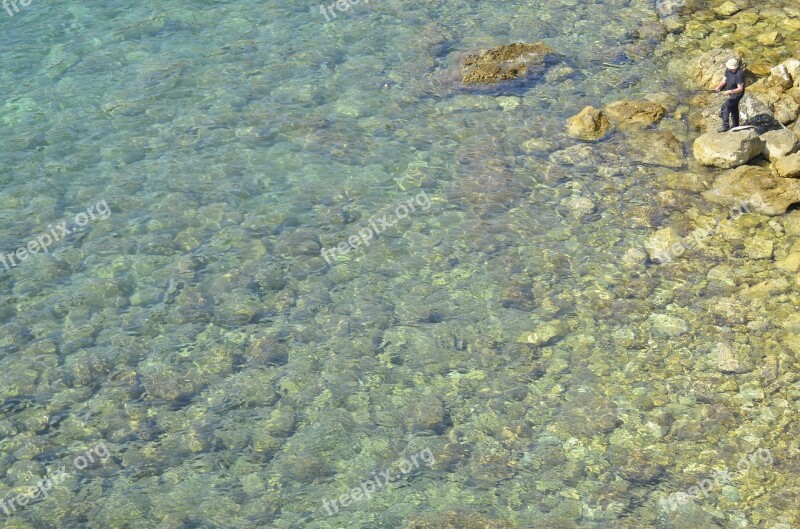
[664,245]
[779,77]
[634,113]
[727,149]
[755,188]
[727,9]
[666,325]
[589,124]
[770,38]
[703,70]
[656,147]
[755,112]
[789,167]
[786,109]
[754,109]
[759,248]
[793,67]
[730,361]
[504,62]
[545,334]
[779,144]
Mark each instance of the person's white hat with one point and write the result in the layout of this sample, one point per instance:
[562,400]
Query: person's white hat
[732,64]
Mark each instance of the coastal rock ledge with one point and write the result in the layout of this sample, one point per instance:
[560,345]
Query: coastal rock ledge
[728,149]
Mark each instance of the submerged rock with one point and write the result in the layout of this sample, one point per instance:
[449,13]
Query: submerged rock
[664,245]
[779,144]
[634,113]
[756,189]
[589,124]
[504,62]
[727,149]
[656,147]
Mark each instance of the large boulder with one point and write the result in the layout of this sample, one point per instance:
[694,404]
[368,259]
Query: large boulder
[655,147]
[789,167]
[702,70]
[779,144]
[634,114]
[754,189]
[757,113]
[727,149]
[589,124]
[510,61]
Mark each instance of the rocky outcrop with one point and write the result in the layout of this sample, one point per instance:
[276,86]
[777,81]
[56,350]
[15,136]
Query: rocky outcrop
[779,144]
[727,149]
[754,189]
[504,62]
[702,70]
[589,124]
[789,167]
[755,112]
[634,114]
[656,147]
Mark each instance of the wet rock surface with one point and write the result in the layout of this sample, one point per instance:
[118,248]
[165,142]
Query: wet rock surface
[757,187]
[506,62]
[634,114]
[589,124]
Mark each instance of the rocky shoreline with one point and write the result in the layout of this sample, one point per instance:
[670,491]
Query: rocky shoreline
[721,214]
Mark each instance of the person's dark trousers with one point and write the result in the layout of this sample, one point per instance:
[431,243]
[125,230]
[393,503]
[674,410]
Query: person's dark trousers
[731,108]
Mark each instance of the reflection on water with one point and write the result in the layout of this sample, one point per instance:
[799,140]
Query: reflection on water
[239,377]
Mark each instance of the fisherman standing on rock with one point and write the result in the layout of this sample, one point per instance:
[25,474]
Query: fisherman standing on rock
[734,87]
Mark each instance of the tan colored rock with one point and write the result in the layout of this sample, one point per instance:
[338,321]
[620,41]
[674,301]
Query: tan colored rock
[793,67]
[634,114]
[770,38]
[779,144]
[727,9]
[655,147]
[754,189]
[703,70]
[727,149]
[780,77]
[664,245]
[504,62]
[789,167]
[786,109]
[732,359]
[589,124]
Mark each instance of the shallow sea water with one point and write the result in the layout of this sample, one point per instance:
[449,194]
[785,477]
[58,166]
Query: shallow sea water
[504,329]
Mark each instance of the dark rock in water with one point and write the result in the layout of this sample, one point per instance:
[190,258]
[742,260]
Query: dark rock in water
[754,112]
[510,61]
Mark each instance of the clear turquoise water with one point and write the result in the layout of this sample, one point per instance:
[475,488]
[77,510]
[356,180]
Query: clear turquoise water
[238,380]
